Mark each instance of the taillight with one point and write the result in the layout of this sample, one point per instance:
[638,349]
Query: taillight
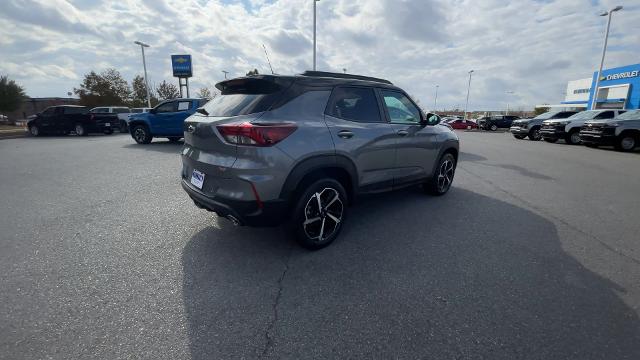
[250,134]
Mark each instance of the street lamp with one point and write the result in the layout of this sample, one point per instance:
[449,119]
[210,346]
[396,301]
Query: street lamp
[344,70]
[144,64]
[468,88]
[314,34]
[604,50]
[225,74]
[435,101]
[510,93]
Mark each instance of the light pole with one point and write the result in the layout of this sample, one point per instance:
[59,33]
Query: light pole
[435,101]
[344,70]
[144,64]
[510,93]
[314,34]
[604,50]
[468,88]
[225,74]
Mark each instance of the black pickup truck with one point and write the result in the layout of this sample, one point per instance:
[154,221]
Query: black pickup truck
[64,119]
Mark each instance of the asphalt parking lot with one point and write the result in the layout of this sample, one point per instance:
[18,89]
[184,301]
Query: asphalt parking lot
[533,254]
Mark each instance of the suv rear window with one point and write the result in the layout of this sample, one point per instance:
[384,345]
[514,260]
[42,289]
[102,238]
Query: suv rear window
[75,110]
[243,97]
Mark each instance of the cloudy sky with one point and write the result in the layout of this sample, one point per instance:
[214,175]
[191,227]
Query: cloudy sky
[528,47]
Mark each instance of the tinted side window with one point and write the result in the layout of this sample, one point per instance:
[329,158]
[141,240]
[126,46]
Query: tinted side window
[563,115]
[48,111]
[166,107]
[355,104]
[400,108]
[605,115]
[74,110]
[121,110]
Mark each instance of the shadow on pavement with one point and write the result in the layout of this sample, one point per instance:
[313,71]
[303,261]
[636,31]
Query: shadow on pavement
[412,276]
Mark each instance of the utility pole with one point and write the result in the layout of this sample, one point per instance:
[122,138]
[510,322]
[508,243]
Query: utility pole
[144,64]
[468,88]
[314,34]
[604,50]
[435,101]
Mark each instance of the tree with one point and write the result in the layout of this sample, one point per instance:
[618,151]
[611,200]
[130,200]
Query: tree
[541,110]
[252,72]
[205,93]
[106,88]
[167,91]
[139,93]
[11,94]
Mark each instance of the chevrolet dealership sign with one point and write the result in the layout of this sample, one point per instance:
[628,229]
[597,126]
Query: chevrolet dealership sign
[181,65]
[621,75]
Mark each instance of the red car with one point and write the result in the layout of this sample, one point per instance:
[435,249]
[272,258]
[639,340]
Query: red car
[463,124]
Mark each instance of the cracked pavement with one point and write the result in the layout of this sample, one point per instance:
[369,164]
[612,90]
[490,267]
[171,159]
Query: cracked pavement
[532,255]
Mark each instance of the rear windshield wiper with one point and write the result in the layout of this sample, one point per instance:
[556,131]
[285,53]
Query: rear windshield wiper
[202,111]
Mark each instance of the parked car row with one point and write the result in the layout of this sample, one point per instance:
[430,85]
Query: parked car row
[605,127]
[64,119]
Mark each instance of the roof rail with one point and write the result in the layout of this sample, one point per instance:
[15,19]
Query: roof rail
[343,76]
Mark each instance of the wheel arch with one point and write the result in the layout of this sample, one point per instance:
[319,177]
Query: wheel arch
[336,167]
[134,123]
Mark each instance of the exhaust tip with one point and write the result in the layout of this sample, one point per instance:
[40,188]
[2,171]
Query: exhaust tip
[233,220]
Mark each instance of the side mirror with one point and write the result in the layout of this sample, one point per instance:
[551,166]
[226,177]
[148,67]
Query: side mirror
[430,119]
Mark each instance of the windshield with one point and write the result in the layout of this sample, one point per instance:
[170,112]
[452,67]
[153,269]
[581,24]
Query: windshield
[584,115]
[630,115]
[547,115]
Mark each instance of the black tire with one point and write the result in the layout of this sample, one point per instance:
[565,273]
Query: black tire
[519,137]
[310,233]
[123,127]
[80,130]
[34,130]
[534,134]
[441,181]
[626,142]
[493,127]
[141,134]
[573,137]
[550,140]
[174,139]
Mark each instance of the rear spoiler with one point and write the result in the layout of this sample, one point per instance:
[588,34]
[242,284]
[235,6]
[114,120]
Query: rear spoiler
[257,84]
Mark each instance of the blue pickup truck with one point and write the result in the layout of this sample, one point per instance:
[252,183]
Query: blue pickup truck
[164,120]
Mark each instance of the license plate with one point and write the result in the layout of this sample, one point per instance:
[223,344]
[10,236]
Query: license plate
[107,124]
[197,179]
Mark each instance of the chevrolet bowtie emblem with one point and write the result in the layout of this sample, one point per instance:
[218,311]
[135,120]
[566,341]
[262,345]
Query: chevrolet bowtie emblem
[181,60]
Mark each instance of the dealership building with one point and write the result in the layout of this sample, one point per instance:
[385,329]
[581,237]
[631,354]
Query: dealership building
[619,88]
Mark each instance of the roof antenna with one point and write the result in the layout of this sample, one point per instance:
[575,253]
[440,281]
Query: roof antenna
[269,61]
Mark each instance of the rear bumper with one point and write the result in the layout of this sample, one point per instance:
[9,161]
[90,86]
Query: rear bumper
[250,213]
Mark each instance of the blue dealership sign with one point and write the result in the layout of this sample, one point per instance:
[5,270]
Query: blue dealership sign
[181,65]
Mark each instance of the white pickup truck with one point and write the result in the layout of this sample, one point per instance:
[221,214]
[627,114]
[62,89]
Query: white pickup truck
[123,113]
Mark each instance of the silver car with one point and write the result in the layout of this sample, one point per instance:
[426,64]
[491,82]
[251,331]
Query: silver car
[299,149]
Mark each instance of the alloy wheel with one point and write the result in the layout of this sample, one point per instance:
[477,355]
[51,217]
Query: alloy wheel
[575,137]
[140,135]
[79,130]
[536,134]
[445,175]
[323,214]
[34,130]
[628,143]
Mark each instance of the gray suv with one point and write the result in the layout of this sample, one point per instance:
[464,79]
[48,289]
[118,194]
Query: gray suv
[299,149]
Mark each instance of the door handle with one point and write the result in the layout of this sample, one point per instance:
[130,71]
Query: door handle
[345,134]
[403,132]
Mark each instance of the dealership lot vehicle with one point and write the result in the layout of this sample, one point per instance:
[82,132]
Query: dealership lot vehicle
[165,120]
[623,132]
[272,148]
[123,113]
[64,119]
[459,124]
[494,122]
[569,129]
[531,127]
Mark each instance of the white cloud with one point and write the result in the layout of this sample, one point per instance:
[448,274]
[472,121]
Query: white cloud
[530,47]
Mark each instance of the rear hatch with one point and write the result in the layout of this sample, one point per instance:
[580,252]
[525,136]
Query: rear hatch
[241,101]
